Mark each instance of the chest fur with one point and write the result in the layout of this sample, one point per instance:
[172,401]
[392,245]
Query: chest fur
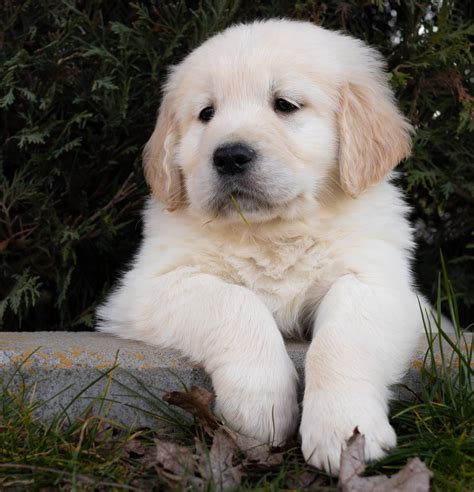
[280,273]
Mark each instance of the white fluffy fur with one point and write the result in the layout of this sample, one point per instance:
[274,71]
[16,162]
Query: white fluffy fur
[330,253]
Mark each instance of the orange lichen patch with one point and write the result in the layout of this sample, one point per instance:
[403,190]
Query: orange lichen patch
[139,356]
[97,355]
[103,362]
[25,358]
[417,364]
[76,352]
[64,362]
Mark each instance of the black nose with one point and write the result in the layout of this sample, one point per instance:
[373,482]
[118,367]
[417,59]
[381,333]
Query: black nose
[233,158]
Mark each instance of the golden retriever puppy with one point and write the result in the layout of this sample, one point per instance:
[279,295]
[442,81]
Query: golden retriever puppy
[273,215]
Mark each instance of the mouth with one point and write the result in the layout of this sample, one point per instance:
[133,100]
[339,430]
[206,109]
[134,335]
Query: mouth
[230,199]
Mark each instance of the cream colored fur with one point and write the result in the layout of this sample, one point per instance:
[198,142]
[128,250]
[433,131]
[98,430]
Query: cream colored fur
[329,253]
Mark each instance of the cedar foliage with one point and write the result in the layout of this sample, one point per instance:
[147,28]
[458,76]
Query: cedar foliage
[79,88]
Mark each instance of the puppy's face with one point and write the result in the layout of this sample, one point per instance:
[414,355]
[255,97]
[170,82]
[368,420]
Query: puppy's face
[256,131]
[258,120]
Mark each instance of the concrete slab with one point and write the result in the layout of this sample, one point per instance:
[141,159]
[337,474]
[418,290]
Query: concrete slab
[59,366]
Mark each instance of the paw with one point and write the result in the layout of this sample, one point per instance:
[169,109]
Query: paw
[259,404]
[329,420]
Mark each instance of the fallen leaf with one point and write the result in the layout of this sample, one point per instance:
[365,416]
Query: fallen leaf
[176,459]
[414,477]
[219,464]
[256,453]
[136,447]
[304,480]
[197,402]
[352,458]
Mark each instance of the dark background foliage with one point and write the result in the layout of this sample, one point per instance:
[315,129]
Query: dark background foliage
[79,88]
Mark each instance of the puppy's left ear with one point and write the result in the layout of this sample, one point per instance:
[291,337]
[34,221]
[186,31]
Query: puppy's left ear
[373,135]
[161,172]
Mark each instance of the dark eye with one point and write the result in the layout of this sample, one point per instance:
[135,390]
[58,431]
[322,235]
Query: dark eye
[284,106]
[206,114]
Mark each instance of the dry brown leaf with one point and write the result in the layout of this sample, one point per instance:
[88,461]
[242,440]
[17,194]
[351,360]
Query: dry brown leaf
[197,402]
[352,458]
[304,480]
[219,464]
[414,477]
[137,447]
[256,453]
[178,460]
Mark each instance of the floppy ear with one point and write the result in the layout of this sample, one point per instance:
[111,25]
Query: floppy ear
[161,173]
[373,135]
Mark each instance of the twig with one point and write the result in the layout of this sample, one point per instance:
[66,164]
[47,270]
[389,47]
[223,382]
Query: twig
[123,192]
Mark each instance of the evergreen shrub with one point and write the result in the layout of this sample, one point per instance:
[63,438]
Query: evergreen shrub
[79,89]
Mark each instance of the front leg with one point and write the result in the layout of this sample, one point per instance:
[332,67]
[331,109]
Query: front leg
[225,327]
[364,336]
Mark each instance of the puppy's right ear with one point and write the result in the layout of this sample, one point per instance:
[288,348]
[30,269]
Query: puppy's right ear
[161,172]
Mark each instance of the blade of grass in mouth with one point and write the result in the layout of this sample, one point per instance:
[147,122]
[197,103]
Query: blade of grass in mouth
[236,205]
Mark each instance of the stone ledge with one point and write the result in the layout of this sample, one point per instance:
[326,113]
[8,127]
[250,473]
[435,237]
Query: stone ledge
[62,364]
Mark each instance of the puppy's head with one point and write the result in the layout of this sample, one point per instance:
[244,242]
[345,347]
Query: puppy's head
[267,117]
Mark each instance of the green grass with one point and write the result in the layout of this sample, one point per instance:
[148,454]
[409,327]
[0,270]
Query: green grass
[94,453]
